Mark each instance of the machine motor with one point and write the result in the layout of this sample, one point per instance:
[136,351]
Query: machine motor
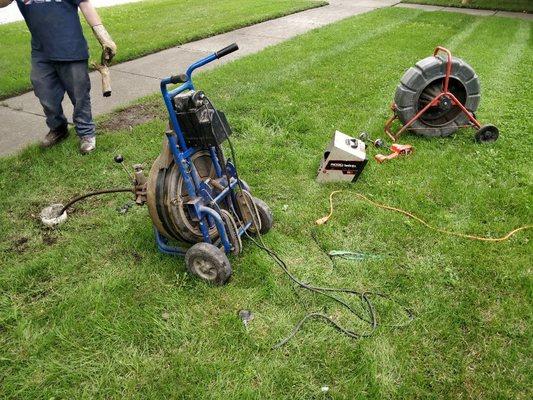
[199,121]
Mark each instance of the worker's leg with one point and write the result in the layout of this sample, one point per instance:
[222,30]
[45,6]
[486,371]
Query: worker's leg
[50,92]
[75,79]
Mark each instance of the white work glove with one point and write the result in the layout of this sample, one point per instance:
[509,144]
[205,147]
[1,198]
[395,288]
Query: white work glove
[5,3]
[109,47]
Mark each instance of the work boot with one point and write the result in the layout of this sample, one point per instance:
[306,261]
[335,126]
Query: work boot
[87,144]
[54,136]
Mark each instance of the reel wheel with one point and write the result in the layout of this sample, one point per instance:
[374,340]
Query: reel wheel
[232,230]
[265,215]
[487,134]
[167,197]
[423,82]
[209,263]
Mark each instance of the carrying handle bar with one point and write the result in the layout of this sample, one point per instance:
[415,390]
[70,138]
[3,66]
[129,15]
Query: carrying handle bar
[440,49]
[227,50]
[180,78]
[186,77]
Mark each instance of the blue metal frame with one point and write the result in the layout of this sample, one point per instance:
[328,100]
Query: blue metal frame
[207,216]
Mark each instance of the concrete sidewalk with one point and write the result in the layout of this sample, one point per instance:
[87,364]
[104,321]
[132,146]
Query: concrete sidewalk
[23,119]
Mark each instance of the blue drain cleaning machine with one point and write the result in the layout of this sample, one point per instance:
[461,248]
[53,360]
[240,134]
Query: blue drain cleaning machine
[199,206]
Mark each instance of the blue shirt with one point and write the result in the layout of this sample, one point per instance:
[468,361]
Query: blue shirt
[55,27]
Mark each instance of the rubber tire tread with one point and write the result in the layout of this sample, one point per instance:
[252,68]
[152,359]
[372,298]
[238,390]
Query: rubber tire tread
[417,78]
[214,255]
[265,214]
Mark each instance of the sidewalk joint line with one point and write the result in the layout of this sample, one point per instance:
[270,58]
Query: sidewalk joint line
[114,68]
[5,105]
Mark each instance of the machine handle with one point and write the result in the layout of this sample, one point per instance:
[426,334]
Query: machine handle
[440,49]
[180,78]
[449,62]
[227,50]
[186,78]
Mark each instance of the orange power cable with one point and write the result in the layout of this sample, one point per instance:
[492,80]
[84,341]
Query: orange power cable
[325,219]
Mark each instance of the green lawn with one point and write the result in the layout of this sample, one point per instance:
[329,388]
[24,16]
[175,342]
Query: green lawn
[145,27]
[92,310]
[506,5]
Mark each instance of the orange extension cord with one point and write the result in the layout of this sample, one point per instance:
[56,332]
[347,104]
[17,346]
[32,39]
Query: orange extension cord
[325,219]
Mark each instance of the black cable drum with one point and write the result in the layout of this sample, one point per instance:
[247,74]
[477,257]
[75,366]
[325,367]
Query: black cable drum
[167,197]
[423,82]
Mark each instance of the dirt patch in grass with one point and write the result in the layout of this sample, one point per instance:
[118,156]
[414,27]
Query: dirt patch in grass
[137,257]
[20,245]
[49,239]
[132,116]
[40,294]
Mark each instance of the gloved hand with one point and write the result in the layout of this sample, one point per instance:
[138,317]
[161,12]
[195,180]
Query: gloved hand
[109,47]
[5,3]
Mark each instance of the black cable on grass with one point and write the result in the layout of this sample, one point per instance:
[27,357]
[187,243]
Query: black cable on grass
[321,247]
[95,193]
[371,318]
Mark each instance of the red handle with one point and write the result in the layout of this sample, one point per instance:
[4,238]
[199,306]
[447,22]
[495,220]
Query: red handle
[439,49]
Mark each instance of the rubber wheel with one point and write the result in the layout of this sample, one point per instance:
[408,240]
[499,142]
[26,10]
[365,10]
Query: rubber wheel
[209,263]
[248,209]
[244,185]
[423,82]
[487,134]
[232,231]
[265,214]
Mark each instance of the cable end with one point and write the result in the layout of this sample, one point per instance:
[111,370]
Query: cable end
[322,220]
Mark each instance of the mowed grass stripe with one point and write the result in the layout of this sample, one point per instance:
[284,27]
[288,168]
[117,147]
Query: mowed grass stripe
[502,78]
[365,30]
[508,5]
[463,36]
[510,63]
